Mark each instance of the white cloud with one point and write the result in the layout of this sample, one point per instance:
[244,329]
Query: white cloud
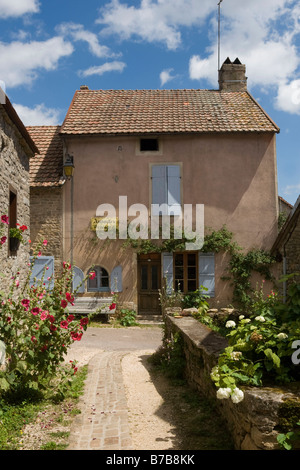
[288,97]
[21,62]
[40,115]
[166,76]
[153,21]
[16,8]
[115,66]
[78,33]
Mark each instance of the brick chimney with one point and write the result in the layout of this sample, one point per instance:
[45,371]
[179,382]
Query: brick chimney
[232,76]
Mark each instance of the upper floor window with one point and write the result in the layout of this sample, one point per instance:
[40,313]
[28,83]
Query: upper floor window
[100,281]
[166,190]
[13,242]
[149,145]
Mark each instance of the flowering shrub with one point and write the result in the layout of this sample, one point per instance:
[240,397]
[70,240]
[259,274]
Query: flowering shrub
[37,330]
[260,347]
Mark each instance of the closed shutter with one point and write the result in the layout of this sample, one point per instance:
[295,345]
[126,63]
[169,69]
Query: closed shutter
[174,193]
[168,271]
[78,284]
[159,186]
[116,284]
[206,271]
[40,273]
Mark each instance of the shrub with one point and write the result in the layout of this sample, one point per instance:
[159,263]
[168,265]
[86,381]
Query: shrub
[37,330]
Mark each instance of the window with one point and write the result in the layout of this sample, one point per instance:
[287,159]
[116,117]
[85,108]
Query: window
[185,272]
[13,242]
[100,283]
[166,190]
[149,145]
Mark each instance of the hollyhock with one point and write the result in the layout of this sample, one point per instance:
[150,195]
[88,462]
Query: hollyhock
[112,306]
[70,318]
[3,240]
[23,228]
[70,298]
[53,328]
[84,321]
[43,315]
[51,318]
[35,311]
[64,324]
[4,219]
[25,303]
[45,242]
[64,303]
[92,275]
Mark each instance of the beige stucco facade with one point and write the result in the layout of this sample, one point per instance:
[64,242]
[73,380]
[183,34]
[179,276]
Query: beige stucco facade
[232,174]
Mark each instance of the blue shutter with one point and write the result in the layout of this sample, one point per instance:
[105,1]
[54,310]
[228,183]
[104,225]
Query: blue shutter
[78,277]
[40,272]
[159,186]
[168,271]
[206,271]
[116,284]
[174,191]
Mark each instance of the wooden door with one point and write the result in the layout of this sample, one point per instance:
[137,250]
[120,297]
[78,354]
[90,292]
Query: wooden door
[149,283]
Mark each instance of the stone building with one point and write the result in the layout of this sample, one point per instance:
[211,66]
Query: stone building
[46,192]
[16,150]
[286,247]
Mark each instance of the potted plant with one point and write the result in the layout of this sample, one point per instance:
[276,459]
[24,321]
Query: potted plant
[16,237]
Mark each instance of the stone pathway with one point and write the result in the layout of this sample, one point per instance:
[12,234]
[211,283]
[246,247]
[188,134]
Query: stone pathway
[103,422]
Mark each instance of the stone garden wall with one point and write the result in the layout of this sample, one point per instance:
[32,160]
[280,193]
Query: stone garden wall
[253,422]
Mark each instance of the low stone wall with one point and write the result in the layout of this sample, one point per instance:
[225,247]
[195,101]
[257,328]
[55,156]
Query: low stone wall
[253,422]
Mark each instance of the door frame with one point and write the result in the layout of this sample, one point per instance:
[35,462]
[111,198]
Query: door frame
[151,258]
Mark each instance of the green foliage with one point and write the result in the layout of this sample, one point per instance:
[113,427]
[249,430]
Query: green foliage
[196,299]
[127,317]
[170,357]
[37,331]
[259,348]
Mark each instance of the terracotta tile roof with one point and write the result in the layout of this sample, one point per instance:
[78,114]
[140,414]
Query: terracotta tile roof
[164,111]
[46,169]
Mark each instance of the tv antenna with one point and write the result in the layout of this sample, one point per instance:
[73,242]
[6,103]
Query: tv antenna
[219,32]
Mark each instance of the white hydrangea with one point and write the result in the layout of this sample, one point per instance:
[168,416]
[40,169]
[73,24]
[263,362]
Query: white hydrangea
[230,324]
[282,336]
[241,317]
[236,355]
[260,318]
[237,395]
[223,393]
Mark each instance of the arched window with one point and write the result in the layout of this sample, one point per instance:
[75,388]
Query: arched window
[99,283]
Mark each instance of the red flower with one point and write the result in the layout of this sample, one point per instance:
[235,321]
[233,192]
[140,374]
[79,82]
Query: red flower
[53,328]
[23,227]
[25,303]
[70,298]
[8,319]
[35,311]
[4,219]
[3,240]
[64,303]
[33,339]
[112,306]
[92,275]
[76,336]
[70,318]
[84,321]
[64,324]
[51,318]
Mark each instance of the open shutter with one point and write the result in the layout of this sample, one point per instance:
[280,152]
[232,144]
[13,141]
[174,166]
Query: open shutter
[78,284]
[159,186]
[207,273]
[168,271]
[40,273]
[116,279]
[174,193]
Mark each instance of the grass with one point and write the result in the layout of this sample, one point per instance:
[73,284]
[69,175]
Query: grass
[27,410]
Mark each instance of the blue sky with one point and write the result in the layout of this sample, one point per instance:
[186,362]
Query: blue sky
[49,48]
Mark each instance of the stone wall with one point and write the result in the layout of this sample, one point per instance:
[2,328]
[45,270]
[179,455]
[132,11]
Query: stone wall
[252,422]
[46,219]
[293,250]
[14,176]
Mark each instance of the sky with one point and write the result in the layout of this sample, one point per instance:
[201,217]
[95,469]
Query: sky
[48,49]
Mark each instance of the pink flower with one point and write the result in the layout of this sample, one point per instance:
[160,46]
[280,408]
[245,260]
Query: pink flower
[3,240]
[64,303]
[35,311]
[25,303]
[43,315]
[39,253]
[17,282]
[92,275]
[33,339]
[45,242]
[51,318]
[64,324]
[76,336]
[4,219]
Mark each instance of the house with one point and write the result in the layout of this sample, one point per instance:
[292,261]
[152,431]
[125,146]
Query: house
[46,197]
[16,150]
[286,247]
[178,149]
